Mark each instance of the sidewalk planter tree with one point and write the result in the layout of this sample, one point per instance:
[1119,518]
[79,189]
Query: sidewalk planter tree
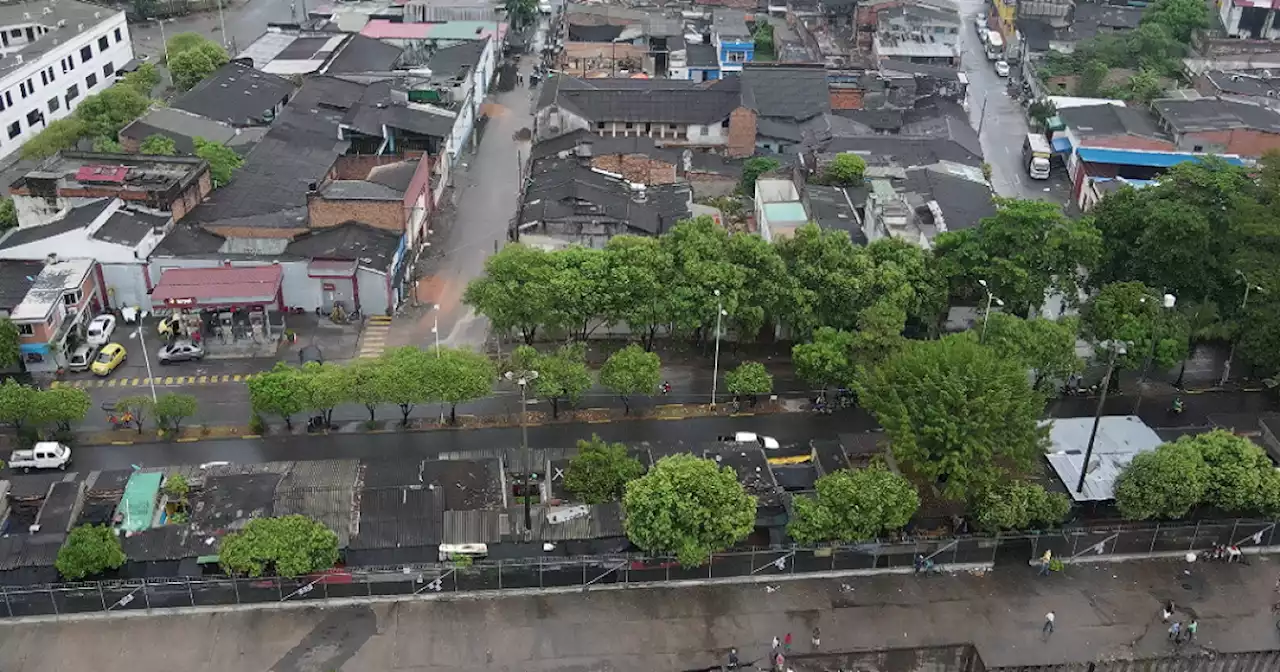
[407,377]
[1237,469]
[457,376]
[749,379]
[688,506]
[600,471]
[1018,505]
[1047,347]
[1164,483]
[516,291]
[15,402]
[278,392]
[824,361]
[631,371]
[172,408]
[956,412]
[287,546]
[324,387]
[373,384]
[854,506]
[138,405]
[641,267]
[562,375]
[9,354]
[89,550]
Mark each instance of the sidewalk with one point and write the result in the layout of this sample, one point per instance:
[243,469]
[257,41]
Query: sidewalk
[1104,611]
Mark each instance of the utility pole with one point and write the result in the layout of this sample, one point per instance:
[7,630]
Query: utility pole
[523,379]
[1169,302]
[1117,349]
[982,116]
[1244,304]
[715,368]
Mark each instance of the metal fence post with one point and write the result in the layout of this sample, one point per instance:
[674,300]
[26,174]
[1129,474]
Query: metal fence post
[7,604]
[54,601]
[667,565]
[235,585]
[1235,524]
[584,571]
[499,575]
[540,572]
[145,597]
[102,595]
[1271,536]
[280,587]
[1155,535]
[191,594]
[1194,535]
[711,561]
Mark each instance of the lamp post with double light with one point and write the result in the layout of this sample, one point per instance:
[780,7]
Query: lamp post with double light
[523,379]
[986,314]
[1244,305]
[1117,349]
[1168,301]
[715,367]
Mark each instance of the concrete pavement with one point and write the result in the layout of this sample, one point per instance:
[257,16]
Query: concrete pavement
[1103,611]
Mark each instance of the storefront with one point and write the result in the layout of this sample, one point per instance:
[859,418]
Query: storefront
[232,307]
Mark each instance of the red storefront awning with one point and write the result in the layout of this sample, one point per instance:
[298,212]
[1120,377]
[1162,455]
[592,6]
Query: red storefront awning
[221,286]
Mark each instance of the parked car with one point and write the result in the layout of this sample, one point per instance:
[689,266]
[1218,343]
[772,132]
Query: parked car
[181,351]
[100,330]
[43,455]
[111,356]
[1002,68]
[82,358]
[766,442]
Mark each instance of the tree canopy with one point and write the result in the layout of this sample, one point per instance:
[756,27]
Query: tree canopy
[600,471]
[192,57]
[1047,347]
[1164,483]
[631,371]
[287,546]
[1132,313]
[853,506]
[223,161]
[688,506]
[562,375]
[89,550]
[1018,505]
[158,145]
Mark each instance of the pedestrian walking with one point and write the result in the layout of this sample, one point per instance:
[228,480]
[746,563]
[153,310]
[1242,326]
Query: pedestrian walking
[1049,618]
[1044,562]
[733,658]
[776,644]
[817,639]
[1192,627]
[786,643]
[1175,631]
[1167,611]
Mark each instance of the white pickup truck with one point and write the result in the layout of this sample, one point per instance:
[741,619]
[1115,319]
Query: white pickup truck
[766,442]
[43,455]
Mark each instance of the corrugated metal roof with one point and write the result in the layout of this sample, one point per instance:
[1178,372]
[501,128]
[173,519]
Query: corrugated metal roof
[1119,439]
[398,518]
[1126,157]
[472,527]
[601,522]
[30,550]
[323,490]
[167,542]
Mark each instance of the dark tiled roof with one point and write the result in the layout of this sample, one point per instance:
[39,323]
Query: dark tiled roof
[939,71]
[378,108]
[363,54]
[236,94]
[875,120]
[702,55]
[905,151]
[964,202]
[668,101]
[76,218]
[1244,83]
[457,60]
[125,227]
[397,175]
[603,146]
[185,241]
[605,33]
[796,92]
[1215,114]
[1102,120]
[562,188]
[832,208]
[372,247]
[399,517]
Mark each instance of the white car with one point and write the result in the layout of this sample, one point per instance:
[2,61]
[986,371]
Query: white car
[43,455]
[1002,68]
[766,442]
[100,330]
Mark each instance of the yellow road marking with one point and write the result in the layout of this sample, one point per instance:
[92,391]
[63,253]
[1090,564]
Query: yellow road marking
[112,382]
[236,377]
[203,379]
[168,380]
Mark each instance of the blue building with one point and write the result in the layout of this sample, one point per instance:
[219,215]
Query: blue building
[732,39]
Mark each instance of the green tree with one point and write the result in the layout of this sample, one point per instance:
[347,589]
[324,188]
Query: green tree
[280,391]
[107,146]
[1145,86]
[457,376]
[58,135]
[703,259]
[408,378]
[61,406]
[832,277]
[324,386]
[641,269]
[373,383]
[688,506]
[825,361]
[879,333]
[177,488]
[287,546]
[139,406]
[1041,111]
[763,39]
[580,281]
[853,506]
[562,375]
[1180,17]
[1164,483]
[223,161]
[1132,313]
[184,42]
[158,145]
[600,471]
[1092,79]
[1260,342]
[1018,505]
[956,412]
[748,379]
[10,352]
[515,290]
[1047,347]
[752,169]
[89,550]
[193,65]
[172,408]
[16,402]
[521,12]
[1236,468]
[631,371]
[143,80]
[845,170]
[105,113]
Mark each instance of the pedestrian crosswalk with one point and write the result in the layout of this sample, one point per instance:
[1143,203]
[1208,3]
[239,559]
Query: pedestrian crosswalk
[373,340]
[159,381]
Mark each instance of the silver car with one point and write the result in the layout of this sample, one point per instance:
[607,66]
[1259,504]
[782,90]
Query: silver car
[82,357]
[181,351]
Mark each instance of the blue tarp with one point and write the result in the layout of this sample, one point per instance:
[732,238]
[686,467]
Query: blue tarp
[1061,145]
[1123,157]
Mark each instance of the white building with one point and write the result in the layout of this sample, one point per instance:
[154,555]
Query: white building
[54,54]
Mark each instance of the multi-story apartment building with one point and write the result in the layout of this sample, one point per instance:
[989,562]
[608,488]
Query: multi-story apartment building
[54,54]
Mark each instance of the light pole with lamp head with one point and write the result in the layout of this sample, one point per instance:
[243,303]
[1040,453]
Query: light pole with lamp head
[715,367]
[1167,302]
[523,379]
[987,313]
[1117,348]
[435,327]
[1244,305]
[146,357]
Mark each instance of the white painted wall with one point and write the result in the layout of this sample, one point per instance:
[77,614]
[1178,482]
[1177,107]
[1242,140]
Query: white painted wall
[126,284]
[71,41]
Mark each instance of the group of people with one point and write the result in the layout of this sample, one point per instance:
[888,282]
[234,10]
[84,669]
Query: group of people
[1179,633]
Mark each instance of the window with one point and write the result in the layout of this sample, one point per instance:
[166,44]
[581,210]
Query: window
[54,104]
[103,43]
[725,123]
[1198,148]
[26,330]
[71,298]
[72,94]
[674,127]
[108,70]
[44,78]
[86,53]
[22,88]
[34,117]
[600,125]
[50,74]
[2,105]
[15,129]
[16,32]
[90,81]
[703,130]
[67,64]
[119,36]
[8,98]
[630,125]
[736,57]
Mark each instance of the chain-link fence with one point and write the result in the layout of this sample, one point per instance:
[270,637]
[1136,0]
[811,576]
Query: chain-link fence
[586,572]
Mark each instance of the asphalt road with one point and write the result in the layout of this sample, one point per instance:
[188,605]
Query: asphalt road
[245,22]
[1237,410]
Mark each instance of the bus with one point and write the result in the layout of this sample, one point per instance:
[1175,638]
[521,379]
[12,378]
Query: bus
[1035,154]
[995,46]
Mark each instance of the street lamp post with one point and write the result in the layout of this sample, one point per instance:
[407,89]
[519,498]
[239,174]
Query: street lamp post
[1117,348]
[1169,302]
[987,313]
[715,367]
[523,378]
[146,357]
[1244,304]
[435,327]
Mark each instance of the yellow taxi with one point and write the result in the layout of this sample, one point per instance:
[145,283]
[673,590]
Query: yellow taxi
[109,357]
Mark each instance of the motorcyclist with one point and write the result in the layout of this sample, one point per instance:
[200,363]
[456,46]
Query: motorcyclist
[1177,405]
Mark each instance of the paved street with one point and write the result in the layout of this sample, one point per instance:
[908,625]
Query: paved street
[1103,611]
[1235,410]
[245,21]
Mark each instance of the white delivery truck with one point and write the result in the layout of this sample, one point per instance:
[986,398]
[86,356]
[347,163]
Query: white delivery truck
[1036,153]
[995,46]
[43,455]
